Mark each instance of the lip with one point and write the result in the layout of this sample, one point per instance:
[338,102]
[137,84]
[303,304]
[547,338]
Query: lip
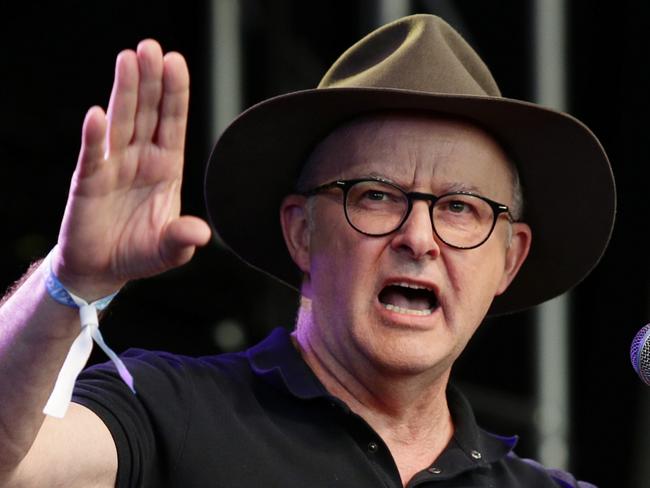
[397,320]
[429,285]
[409,320]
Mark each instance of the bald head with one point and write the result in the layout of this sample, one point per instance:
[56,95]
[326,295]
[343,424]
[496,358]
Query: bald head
[351,141]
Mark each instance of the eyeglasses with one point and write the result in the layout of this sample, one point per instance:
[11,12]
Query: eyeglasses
[375,207]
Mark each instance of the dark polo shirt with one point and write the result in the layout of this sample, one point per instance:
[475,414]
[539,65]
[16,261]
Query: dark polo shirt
[261,418]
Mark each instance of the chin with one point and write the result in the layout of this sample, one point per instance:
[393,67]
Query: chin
[405,355]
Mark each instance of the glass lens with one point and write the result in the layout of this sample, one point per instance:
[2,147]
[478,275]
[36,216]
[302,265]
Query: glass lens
[374,207]
[462,220]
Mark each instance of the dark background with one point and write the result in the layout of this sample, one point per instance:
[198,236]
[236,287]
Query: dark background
[57,60]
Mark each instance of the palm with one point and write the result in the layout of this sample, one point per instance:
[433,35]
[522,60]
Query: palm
[122,219]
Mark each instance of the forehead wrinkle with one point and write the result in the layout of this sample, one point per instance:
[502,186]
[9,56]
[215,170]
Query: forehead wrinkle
[431,157]
[395,150]
[484,149]
[333,154]
[381,145]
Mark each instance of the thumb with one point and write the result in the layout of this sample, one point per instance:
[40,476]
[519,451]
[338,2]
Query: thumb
[181,237]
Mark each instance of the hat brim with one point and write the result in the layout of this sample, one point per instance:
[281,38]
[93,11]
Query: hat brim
[569,190]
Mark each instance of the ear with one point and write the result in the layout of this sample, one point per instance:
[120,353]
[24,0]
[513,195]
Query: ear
[516,253]
[295,228]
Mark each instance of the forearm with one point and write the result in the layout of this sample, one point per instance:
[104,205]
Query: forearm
[35,335]
[122,222]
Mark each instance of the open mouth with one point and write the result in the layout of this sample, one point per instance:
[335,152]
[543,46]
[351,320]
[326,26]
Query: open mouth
[409,299]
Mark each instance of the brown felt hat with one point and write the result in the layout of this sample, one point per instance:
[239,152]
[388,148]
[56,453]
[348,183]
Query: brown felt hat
[417,63]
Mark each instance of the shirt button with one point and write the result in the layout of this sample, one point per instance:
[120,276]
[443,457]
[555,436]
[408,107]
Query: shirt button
[476,455]
[373,447]
[434,470]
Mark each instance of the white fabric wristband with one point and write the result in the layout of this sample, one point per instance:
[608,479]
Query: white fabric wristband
[80,350]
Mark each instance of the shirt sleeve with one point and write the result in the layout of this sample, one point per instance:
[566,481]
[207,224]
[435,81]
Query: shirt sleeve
[149,427]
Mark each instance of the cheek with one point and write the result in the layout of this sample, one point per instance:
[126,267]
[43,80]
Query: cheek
[332,259]
[476,274]
[344,268]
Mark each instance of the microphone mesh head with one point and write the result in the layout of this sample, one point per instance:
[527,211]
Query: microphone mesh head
[640,354]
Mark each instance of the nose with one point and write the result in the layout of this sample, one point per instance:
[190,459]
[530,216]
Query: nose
[416,237]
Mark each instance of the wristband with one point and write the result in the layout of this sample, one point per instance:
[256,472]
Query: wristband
[80,350]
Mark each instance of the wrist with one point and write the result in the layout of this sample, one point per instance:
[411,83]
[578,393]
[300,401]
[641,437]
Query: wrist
[89,286]
[81,348]
[64,295]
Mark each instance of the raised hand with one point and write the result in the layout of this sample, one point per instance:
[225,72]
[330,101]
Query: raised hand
[122,219]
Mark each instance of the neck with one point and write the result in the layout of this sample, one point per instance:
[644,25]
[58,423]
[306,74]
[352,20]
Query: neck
[408,411]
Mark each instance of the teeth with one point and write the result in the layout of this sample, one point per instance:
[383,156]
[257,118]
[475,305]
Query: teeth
[411,285]
[407,311]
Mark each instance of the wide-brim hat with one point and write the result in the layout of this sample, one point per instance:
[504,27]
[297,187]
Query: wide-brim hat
[417,63]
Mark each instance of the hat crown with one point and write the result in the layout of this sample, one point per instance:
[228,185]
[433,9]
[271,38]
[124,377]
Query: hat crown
[420,52]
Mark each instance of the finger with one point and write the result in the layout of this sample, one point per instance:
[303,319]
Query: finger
[150,67]
[92,142]
[181,237]
[174,105]
[123,103]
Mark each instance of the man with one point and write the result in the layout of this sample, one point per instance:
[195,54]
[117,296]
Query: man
[401,219]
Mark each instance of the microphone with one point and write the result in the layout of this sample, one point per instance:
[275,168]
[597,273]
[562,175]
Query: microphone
[640,354]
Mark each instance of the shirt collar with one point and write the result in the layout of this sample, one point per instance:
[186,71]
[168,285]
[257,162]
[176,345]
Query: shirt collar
[471,446]
[277,361]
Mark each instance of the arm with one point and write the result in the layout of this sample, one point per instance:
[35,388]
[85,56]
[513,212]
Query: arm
[122,222]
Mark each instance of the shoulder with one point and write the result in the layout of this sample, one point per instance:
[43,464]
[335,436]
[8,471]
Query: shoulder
[174,395]
[160,371]
[530,467]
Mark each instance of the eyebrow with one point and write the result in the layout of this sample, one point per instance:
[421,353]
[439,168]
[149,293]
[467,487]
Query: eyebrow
[457,186]
[379,176]
[460,186]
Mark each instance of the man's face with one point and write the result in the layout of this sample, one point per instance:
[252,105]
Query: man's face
[404,303]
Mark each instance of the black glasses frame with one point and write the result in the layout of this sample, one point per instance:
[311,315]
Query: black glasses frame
[345,185]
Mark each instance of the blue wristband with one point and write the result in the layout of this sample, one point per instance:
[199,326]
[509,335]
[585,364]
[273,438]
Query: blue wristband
[61,294]
[81,348]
